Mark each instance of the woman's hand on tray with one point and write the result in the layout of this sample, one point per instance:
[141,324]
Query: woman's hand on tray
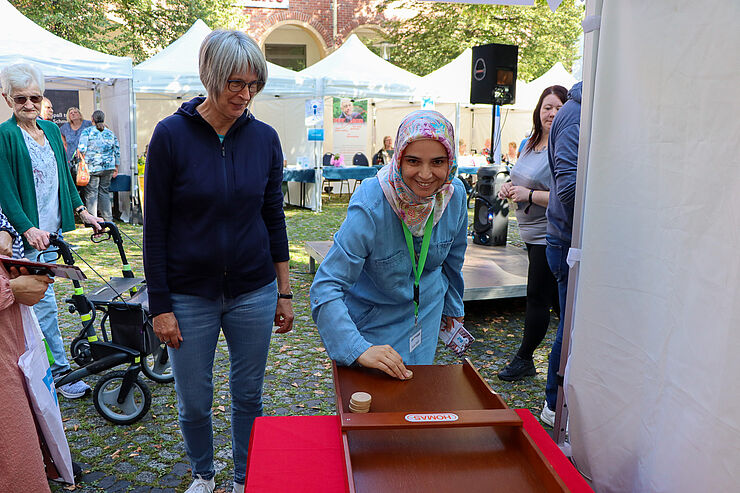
[386,359]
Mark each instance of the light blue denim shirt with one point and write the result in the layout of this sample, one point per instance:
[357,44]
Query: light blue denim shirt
[362,294]
[101,149]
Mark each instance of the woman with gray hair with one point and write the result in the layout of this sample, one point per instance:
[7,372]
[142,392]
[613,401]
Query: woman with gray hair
[216,247]
[37,193]
[100,149]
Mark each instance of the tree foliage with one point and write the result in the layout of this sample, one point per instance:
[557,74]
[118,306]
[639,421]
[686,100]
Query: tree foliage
[135,28]
[146,27]
[441,31]
[82,22]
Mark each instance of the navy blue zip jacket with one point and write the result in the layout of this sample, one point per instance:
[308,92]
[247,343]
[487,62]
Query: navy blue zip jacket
[213,212]
[562,153]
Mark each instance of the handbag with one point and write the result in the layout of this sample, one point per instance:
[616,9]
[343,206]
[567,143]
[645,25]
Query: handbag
[42,394]
[83,174]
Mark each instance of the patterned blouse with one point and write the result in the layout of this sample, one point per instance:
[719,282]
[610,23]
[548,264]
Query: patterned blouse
[101,149]
[17,242]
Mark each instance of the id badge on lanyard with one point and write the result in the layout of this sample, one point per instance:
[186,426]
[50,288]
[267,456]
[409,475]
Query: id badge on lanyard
[415,339]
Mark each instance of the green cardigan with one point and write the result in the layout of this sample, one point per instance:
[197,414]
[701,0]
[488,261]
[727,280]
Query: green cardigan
[17,188]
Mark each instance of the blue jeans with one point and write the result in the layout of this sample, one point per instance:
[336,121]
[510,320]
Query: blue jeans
[98,192]
[557,259]
[247,322]
[46,312]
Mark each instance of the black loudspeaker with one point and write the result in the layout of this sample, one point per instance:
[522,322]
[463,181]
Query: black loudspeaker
[493,79]
[491,215]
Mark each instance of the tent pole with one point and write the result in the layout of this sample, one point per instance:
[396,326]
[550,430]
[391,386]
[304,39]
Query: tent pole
[136,213]
[457,129]
[590,56]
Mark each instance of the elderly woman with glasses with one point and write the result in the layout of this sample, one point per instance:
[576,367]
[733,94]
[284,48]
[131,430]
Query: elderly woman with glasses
[37,193]
[216,247]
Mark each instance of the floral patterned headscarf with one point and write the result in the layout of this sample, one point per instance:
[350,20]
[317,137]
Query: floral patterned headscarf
[409,207]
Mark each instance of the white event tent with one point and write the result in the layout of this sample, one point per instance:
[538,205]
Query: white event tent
[449,88]
[68,66]
[652,309]
[164,80]
[174,71]
[354,71]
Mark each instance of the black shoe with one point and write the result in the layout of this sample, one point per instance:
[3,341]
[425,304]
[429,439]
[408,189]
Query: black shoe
[517,369]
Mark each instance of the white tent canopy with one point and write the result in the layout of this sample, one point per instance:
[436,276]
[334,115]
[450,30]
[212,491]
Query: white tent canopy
[23,41]
[451,82]
[66,65]
[355,71]
[528,94]
[174,71]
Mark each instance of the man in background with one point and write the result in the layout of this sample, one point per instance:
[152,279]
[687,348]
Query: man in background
[562,153]
[47,110]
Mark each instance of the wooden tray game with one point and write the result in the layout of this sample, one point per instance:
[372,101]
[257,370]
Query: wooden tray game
[445,430]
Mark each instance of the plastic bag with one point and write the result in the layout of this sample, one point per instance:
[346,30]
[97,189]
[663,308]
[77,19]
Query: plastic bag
[42,394]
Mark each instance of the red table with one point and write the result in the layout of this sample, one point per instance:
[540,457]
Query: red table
[303,454]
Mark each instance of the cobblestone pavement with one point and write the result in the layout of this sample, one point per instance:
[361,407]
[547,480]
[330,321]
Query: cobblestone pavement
[149,456]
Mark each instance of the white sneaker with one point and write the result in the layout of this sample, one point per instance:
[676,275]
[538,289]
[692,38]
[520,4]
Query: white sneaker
[547,416]
[238,487]
[74,390]
[201,485]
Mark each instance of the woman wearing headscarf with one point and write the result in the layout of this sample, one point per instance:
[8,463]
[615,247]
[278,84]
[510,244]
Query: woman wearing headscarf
[99,146]
[394,272]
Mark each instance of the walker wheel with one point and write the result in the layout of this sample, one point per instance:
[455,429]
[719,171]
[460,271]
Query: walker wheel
[156,366]
[80,352]
[134,406]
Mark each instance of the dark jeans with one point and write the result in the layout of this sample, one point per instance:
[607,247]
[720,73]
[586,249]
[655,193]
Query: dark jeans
[557,255]
[542,294]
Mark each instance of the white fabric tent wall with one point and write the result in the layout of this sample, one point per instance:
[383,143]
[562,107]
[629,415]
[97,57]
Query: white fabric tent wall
[651,380]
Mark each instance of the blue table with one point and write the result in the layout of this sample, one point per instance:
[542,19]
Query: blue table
[343,173]
[468,170]
[349,172]
[330,173]
[299,175]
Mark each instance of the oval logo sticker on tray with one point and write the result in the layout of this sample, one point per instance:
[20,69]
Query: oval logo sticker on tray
[430,417]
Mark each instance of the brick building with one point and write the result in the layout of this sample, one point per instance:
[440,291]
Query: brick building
[298,33]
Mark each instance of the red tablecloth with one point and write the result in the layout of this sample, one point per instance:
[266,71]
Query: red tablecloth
[303,454]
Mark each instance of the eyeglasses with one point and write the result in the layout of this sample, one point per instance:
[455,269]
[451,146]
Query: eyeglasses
[238,86]
[22,99]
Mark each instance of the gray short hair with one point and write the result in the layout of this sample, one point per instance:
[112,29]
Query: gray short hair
[19,76]
[223,53]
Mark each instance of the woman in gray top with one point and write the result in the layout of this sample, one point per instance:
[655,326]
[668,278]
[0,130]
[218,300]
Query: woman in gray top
[529,188]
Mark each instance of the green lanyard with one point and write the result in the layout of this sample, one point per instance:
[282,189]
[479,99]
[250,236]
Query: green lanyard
[422,258]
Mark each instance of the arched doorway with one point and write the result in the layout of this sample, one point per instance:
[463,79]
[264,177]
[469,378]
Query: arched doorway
[294,45]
